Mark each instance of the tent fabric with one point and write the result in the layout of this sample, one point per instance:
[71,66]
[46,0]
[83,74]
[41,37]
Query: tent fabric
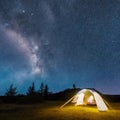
[84,95]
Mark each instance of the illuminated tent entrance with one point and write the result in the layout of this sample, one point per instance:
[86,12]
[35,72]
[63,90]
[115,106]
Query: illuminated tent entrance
[88,97]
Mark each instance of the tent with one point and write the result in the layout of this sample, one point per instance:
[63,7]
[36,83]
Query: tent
[88,97]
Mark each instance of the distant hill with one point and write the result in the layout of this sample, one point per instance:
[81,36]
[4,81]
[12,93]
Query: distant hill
[68,93]
[112,98]
[64,95]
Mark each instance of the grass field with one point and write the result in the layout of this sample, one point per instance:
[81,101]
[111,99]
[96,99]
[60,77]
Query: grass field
[51,111]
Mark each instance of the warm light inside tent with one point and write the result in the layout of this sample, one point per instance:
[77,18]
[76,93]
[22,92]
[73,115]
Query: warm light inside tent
[90,99]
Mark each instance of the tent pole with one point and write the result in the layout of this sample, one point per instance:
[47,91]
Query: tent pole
[67,102]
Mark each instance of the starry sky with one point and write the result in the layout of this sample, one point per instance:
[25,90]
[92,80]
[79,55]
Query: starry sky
[60,43]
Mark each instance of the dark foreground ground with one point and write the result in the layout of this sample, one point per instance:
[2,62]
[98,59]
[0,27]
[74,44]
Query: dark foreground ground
[51,111]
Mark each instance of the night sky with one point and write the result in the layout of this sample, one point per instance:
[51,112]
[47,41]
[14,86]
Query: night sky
[60,43]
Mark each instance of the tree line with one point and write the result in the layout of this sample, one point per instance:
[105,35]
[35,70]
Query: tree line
[36,96]
[43,90]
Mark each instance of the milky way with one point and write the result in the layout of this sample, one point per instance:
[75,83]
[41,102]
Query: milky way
[60,43]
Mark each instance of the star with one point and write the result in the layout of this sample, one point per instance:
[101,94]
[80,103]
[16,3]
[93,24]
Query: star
[32,14]
[23,11]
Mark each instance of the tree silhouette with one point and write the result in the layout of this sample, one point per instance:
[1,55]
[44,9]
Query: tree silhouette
[11,91]
[74,86]
[31,90]
[42,89]
[46,91]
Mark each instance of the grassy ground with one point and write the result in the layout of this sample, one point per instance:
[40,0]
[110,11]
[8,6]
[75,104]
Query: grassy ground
[51,111]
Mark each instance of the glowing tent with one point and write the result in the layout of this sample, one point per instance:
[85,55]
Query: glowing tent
[88,97]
